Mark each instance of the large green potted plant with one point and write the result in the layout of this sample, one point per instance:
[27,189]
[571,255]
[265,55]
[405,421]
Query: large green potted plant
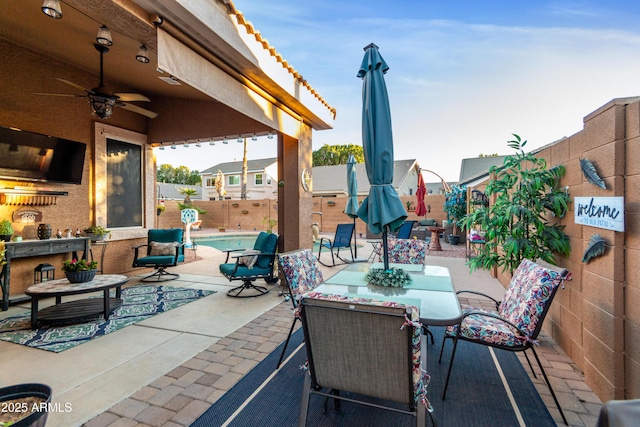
[522,222]
[455,206]
[6,230]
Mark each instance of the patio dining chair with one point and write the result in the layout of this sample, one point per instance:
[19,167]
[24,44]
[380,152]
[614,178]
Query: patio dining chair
[359,347]
[301,274]
[250,265]
[164,248]
[404,232]
[341,240]
[407,251]
[516,322]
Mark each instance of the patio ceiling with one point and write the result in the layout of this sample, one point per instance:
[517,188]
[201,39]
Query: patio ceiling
[71,40]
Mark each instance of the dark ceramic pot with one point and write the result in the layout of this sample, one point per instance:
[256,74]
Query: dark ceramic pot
[454,240]
[80,276]
[44,231]
[19,391]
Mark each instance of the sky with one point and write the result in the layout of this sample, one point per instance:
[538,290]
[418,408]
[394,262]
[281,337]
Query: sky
[463,75]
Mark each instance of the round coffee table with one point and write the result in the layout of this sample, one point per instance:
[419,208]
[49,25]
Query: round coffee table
[76,309]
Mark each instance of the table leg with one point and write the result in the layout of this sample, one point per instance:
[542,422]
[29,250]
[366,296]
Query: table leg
[34,311]
[106,304]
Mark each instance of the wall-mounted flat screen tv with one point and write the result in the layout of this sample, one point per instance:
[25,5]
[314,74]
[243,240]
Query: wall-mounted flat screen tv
[28,156]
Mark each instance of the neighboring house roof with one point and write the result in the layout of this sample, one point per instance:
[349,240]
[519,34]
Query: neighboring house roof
[236,167]
[475,170]
[172,191]
[436,187]
[333,179]
[473,167]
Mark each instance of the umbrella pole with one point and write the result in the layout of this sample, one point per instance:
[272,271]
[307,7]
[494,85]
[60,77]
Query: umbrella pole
[355,241]
[385,249]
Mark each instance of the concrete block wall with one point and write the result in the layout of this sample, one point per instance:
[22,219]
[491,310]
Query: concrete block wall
[596,317]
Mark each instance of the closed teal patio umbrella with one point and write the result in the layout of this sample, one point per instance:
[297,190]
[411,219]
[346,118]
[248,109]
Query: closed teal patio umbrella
[351,208]
[382,210]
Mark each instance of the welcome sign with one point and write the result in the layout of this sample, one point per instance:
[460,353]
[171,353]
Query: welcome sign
[600,212]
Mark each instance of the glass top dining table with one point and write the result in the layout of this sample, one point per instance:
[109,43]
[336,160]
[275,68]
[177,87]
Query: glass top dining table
[431,289]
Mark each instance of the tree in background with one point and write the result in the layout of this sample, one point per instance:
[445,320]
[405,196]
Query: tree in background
[167,174]
[330,155]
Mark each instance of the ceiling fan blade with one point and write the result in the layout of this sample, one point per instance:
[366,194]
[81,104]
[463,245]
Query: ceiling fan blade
[73,84]
[60,94]
[129,97]
[138,110]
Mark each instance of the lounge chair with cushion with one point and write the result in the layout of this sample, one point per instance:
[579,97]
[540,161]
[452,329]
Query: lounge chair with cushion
[516,322]
[249,265]
[164,248]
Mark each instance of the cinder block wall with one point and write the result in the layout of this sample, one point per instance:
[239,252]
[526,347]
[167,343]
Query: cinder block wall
[596,317]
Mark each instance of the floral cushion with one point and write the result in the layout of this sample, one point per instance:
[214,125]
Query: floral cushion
[301,271]
[488,329]
[420,377]
[406,251]
[525,300]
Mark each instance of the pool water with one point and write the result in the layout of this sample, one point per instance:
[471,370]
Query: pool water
[238,241]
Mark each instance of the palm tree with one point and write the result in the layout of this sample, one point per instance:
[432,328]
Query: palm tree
[243,188]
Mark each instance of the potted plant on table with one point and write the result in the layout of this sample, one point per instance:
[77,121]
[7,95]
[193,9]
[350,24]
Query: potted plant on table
[96,232]
[79,271]
[6,230]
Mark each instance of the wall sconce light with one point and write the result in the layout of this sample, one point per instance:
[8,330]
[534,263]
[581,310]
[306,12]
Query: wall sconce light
[104,36]
[143,54]
[565,189]
[52,8]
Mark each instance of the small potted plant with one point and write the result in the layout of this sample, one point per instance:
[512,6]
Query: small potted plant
[6,230]
[221,228]
[79,271]
[96,232]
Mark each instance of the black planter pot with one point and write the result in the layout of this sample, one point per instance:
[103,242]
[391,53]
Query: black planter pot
[19,391]
[454,240]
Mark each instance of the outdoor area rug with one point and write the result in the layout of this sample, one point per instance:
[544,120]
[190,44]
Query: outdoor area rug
[139,303]
[476,395]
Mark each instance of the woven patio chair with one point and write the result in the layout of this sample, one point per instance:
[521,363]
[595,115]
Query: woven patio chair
[347,339]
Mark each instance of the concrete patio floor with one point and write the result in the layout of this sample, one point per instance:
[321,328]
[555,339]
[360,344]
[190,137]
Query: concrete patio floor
[167,370]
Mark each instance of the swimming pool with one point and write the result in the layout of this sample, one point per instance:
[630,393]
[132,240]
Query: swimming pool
[236,241]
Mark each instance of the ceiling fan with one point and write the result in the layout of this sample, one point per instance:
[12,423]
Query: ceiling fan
[101,102]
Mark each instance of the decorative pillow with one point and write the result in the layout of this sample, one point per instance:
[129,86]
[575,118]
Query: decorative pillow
[249,261]
[160,249]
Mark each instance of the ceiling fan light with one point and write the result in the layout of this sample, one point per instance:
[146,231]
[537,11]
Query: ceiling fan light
[102,107]
[143,54]
[52,8]
[104,36]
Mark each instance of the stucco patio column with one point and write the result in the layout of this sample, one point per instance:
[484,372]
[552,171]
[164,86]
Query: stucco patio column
[294,199]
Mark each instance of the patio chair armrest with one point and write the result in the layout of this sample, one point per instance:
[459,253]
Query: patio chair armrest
[136,250]
[237,257]
[481,294]
[327,239]
[495,316]
[229,252]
